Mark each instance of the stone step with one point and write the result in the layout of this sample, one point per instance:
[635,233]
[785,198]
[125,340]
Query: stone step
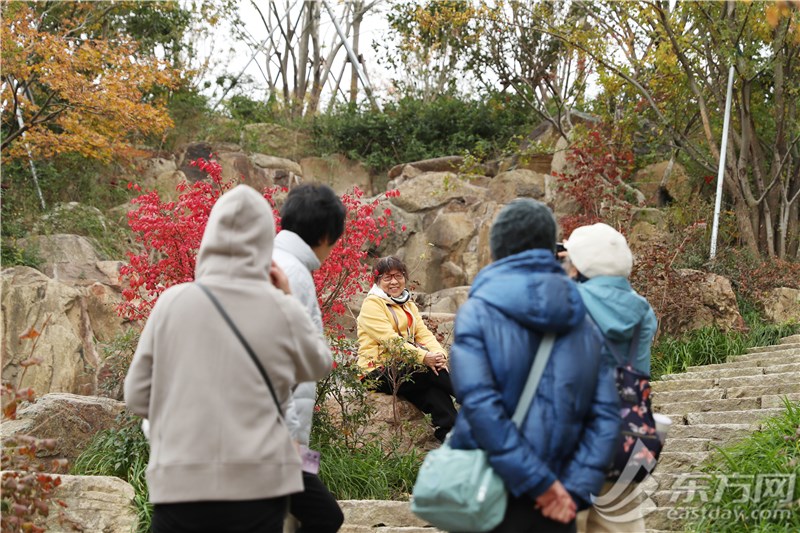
[718,433]
[791,339]
[683,385]
[782,369]
[347,528]
[717,373]
[775,348]
[687,445]
[731,417]
[765,356]
[372,513]
[761,360]
[662,398]
[664,519]
[767,379]
[762,390]
[776,400]
[702,406]
[682,461]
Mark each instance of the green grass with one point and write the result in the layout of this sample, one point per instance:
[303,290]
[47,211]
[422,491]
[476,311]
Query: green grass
[672,355]
[773,451]
[369,472]
[121,452]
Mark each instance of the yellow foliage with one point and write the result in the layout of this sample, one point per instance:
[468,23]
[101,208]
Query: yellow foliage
[78,95]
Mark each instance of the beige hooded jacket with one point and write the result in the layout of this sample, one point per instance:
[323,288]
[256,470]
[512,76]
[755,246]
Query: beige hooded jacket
[215,432]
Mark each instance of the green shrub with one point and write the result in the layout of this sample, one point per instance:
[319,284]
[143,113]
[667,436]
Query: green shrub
[773,451]
[122,452]
[413,129]
[671,355]
[368,473]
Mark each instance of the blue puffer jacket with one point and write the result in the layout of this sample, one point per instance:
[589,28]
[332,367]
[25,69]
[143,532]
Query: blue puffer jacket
[572,427]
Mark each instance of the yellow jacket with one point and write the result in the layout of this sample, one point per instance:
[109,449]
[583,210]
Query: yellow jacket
[376,323]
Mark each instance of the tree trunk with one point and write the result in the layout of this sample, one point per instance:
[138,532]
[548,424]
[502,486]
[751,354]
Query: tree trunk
[357,15]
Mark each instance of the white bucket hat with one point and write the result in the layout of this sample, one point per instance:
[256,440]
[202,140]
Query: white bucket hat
[599,250]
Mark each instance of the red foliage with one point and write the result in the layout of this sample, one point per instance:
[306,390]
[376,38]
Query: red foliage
[170,234]
[599,169]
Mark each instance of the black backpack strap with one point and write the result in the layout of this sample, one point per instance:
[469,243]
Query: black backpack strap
[244,342]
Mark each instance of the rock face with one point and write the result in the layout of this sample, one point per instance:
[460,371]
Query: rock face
[711,302]
[100,504]
[512,184]
[658,191]
[436,189]
[338,172]
[70,258]
[76,318]
[272,139]
[71,419]
[782,305]
[239,168]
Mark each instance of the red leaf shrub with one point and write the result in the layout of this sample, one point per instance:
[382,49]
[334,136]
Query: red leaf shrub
[600,168]
[169,234]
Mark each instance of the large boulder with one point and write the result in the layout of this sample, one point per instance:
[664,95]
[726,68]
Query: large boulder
[155,166]
[443,301]
[512,184]
[65,346]
[71,259]
[70,419]
[192,152]
[781,305]
[435,189]
[273,139]
[239,168]
[439,164]
[97,503]
[664,182]
[709,302]
[648,225]
[338,172]
[560,163]
[414,430]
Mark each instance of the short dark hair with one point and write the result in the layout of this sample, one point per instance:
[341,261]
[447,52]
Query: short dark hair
[387,264]
[314,212]
[524,224]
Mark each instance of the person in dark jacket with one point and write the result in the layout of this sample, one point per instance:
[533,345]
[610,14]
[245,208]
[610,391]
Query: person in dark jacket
[558,457]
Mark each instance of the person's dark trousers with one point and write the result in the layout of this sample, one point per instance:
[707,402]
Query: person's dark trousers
[248,516]
[523,517]
[315,508]
[429,393]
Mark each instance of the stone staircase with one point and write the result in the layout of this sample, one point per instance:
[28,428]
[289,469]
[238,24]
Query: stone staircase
[714,405]
[710,405]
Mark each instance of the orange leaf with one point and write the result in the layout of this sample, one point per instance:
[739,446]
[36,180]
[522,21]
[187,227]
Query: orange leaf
[30,334]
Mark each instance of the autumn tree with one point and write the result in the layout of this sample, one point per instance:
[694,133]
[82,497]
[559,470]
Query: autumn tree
[69,88]
[668,68]
[429,44]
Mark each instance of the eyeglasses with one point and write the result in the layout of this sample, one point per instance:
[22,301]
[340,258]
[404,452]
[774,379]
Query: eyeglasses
[389,277]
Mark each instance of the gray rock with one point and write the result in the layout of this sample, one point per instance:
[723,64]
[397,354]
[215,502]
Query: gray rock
[98,503]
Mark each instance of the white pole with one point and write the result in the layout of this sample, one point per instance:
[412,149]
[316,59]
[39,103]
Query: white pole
[721,173]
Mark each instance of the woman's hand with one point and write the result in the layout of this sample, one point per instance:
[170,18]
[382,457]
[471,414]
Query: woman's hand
[279,279]
[436,361]
[556,504]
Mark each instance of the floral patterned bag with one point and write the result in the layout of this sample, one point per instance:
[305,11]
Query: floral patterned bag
[638,424]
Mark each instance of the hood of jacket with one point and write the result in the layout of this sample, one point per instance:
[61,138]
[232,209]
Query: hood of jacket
[291,243]
[531,288]
[238,239]
[614,306]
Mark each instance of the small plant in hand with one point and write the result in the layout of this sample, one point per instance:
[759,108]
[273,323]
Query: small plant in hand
[27,480]
[397,364]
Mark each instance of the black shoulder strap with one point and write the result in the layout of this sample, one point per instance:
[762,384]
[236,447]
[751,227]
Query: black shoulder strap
[244,342]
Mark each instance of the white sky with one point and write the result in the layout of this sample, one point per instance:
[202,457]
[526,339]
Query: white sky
[230,55]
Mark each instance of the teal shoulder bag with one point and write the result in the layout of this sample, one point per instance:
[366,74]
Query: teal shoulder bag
[457,490]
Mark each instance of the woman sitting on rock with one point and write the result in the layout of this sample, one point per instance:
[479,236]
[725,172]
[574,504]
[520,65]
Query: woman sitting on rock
[388,313]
